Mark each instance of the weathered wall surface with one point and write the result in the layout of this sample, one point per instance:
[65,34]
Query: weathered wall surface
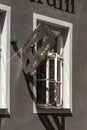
[22,117]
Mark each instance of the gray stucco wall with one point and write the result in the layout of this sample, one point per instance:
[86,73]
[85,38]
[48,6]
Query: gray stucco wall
[22,117]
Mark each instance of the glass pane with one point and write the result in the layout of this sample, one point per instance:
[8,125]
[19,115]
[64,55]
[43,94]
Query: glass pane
[41,42]
[41,83]
[57,94]
[41,71]
[58,70]
[41,92]
[51,93]
[57,47]
[51,69]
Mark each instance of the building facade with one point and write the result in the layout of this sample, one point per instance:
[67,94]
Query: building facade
[18,97]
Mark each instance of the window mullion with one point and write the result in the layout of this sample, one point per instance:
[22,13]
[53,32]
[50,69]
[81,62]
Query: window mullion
[56,84]
[61,69]
[47,81]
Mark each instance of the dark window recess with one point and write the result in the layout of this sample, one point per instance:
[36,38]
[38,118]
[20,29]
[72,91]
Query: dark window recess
[51,84]
[41,71]
[48,76]
[56,47]
[41,92]
[51,93]
[58,70]
[41,83]
[51,69]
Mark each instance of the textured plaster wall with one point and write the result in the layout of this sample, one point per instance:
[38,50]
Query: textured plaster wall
[22,117]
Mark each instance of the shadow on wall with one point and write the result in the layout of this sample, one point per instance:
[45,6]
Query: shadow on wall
[44,118]
[0,124]
[60,123]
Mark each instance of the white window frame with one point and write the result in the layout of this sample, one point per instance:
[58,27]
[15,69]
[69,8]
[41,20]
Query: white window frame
[67,80]
[5,60]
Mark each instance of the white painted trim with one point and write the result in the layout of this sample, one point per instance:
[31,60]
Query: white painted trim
[50,20]
[5,61]
[5,8]
[69,26]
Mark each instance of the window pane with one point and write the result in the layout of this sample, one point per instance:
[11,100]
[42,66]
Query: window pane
[41,42]
[41,71]
[54,93]
[51,92]
[57,94]
[51,69]
[57,47]
[41,92]
[41,83]
[58,70]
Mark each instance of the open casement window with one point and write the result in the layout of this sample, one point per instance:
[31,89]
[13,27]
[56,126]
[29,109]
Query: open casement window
[4,60]
[50,76]
[31,58]
[52,86]
[46,55]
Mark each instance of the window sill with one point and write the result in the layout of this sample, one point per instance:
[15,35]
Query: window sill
[58,111]
[4,113]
